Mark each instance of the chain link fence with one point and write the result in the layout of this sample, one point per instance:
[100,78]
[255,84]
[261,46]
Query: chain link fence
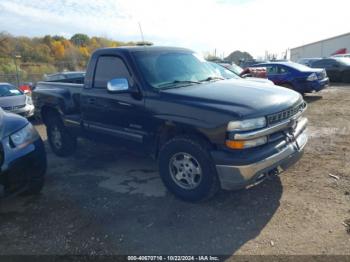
[28,78]
[32,72]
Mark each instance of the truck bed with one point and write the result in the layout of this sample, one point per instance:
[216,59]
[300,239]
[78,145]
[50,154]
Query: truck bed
[62,96]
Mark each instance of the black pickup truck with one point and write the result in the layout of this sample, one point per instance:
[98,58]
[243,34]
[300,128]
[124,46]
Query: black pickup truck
[207,133]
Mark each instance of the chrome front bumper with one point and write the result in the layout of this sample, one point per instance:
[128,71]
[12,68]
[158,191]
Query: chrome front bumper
[235,177]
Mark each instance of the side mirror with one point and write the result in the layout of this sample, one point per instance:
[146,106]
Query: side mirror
[118,85]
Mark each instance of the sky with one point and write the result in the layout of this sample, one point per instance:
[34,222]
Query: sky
[255,26]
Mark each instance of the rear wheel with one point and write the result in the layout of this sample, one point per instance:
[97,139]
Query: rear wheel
[187,169]
[62,142]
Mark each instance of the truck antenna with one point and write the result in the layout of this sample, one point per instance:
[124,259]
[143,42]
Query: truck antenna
[143,40]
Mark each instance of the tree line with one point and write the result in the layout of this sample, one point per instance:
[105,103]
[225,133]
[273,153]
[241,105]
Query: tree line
[49,54]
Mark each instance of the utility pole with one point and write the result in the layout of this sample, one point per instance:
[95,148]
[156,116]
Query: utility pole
[15,61]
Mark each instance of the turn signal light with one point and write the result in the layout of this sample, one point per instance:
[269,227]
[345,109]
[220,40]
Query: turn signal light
[241,144]
[235,144]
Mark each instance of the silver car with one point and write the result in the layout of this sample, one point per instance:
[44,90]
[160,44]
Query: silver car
[15,101]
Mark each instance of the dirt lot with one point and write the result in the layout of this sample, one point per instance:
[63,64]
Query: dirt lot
[105,200]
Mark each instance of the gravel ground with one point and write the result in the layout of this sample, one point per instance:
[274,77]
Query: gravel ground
[105,200]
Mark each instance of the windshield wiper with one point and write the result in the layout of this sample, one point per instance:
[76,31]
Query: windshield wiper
[175,82]
[211,78]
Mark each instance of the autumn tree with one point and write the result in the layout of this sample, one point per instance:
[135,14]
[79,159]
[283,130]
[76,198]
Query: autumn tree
[80,40]
[58,49]
[48,54]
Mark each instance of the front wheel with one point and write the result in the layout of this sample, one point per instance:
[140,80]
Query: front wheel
[187,169]
[62,142]
[30,180]
[36,178]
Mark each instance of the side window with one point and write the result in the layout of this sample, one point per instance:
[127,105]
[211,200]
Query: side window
[328,63]
[282,70]
[334,63]
[271,70]
[320,64]
[107,68]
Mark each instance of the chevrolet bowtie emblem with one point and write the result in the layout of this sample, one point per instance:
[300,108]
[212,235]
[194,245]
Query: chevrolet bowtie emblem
[292,139]
[292,124]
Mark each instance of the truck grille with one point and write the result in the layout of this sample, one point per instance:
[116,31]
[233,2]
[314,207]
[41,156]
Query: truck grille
[10,108]
[283,115]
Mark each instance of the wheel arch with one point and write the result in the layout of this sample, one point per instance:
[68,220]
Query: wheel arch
[169,130]
[46,111]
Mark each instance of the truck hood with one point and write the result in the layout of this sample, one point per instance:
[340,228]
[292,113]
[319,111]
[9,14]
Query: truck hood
[8,101]
[260,80]
[238,98]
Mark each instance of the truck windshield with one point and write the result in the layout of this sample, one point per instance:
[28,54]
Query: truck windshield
[235,68]
[9,90]
[225,73]
[173,69]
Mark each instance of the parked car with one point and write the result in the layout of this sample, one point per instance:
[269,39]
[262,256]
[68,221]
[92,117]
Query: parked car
[249,63]
[26,88]
[300,78]
[205,132]
[75,77]
[338,68]
[342,55]
[308,61]
[14,100]
[256,72]
[22,155]
[228,74]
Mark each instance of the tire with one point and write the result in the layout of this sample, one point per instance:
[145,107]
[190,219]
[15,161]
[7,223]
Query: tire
[187,169]
[37,179]
[61,141]
[30,182]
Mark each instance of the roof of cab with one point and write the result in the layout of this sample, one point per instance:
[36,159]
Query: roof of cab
[130,49]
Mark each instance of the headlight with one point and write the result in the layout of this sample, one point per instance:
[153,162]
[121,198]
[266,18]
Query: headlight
[241,144]
[29,100]
[245,125]
[24,137]
[312,77]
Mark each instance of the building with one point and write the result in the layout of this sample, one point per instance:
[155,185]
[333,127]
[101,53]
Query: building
[324,48]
